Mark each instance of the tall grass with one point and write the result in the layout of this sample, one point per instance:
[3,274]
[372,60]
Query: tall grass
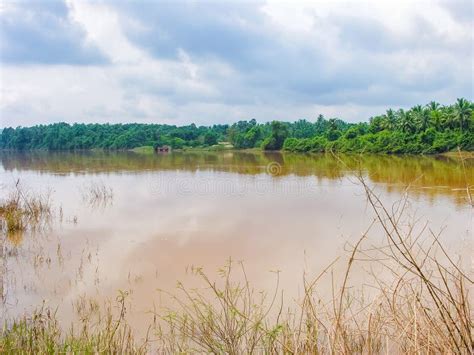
[97,194]
[420,303]
[22,209]
[97,332]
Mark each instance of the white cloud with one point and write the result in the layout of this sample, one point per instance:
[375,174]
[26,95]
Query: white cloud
[341,58]
[103,29]
[99,93]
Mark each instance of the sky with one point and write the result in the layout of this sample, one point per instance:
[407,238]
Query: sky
[207,62]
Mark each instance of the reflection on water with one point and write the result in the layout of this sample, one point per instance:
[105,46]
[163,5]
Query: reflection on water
[167,212]
[429,176]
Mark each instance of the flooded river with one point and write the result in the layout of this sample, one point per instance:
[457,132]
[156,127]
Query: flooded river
[163,214]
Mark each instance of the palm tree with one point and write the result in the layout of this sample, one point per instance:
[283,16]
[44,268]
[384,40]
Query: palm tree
[425,119]
[449,117]
[436,118]
[418,119]
[400,114]
[390,120]
[406,121]
[462,111]
[433,106]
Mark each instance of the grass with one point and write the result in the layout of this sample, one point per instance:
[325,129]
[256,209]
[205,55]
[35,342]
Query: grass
[41,332]
[217,147]
[213,148]
[419,304]
[144,150]
[21,209]
[97,194]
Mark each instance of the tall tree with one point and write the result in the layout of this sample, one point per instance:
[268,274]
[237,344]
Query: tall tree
[433,106]
[277,137]
[462,112]
[390,120]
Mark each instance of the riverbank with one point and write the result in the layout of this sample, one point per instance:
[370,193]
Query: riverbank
[213,148]
[228,147]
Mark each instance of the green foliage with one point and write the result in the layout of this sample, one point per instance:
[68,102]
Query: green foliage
[420,130]
[210,138]
[245,134]
[426,129]
[62,136]
[277,137]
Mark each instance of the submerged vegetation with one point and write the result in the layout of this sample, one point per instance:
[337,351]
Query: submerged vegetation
[418,301]
[97,194]
[421,130]
[21,210]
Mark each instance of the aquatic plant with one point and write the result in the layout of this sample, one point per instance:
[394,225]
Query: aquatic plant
[97,194]
[22,209]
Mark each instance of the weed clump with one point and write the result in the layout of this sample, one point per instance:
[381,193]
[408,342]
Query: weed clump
[97,194]
[98,332]
[22,209]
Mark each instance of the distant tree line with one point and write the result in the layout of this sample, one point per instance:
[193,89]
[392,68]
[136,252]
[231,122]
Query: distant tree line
[63,136]
[422,129]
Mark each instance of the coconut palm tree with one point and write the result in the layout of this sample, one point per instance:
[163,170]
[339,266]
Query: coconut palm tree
[462,112]
[450,119]
[433,106]
[390,120]
[406,122]
[418,116]
[425,119]
[436,119]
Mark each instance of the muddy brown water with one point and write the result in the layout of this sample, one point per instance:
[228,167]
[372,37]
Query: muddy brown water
[287,212]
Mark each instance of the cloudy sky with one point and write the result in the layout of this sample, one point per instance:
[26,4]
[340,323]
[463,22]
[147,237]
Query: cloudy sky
[220,61]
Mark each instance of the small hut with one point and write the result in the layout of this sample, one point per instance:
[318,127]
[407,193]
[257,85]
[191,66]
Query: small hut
[163,149]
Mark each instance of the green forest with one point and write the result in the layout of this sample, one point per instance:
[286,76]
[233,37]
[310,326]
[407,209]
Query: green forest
[428,129]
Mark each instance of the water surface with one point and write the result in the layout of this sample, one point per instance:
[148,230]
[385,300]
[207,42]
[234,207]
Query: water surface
[294,213]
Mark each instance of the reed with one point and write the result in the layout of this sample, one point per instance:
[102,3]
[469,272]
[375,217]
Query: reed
[22,209]
[97,194]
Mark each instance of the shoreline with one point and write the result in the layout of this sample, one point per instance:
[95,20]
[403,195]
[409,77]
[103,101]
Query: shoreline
[149,150]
